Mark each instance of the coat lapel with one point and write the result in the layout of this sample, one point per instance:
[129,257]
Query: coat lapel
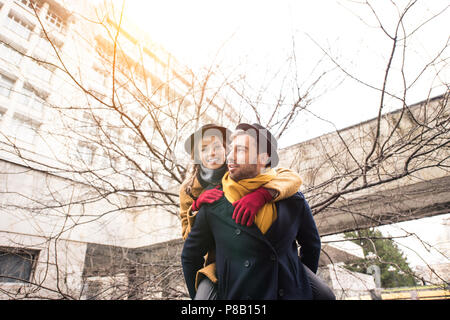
[283,227]
[271,234]
[226,216]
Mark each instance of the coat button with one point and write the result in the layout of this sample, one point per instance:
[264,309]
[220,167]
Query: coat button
[246,263]
[273,257]
[237,231]
[281,292]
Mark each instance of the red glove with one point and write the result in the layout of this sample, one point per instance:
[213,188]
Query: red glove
[208,196]
[246,208]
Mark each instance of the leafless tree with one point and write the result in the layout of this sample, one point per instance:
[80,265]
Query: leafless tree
[113,135]
[392,168]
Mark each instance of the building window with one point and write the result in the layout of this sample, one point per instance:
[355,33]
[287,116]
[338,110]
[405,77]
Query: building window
[55,20]
[6,85]
[40,71]
[17,265]
[86,153]
[19,26]
[29,98]
[24,128]
[9,54]
[2,112]
[29,4]
[100,76]
[44,48]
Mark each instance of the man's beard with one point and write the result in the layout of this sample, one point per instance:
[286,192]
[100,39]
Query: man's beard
[245,172]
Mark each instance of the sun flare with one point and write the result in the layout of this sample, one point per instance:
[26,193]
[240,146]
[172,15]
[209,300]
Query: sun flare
[179,26]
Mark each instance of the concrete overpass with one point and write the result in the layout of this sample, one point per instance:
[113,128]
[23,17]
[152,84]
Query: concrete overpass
[406,175]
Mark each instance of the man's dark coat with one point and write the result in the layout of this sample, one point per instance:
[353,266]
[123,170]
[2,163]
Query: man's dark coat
[251,265]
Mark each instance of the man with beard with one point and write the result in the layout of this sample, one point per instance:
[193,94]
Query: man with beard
[259,261]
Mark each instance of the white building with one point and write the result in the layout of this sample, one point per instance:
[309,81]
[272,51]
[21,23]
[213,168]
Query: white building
[91,120]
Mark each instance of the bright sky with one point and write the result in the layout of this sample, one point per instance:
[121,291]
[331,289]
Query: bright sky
[258,35]
[433,244]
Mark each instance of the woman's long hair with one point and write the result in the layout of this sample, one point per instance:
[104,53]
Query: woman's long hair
[190,178]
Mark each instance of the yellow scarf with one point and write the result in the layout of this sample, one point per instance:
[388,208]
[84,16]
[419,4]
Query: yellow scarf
[235,190]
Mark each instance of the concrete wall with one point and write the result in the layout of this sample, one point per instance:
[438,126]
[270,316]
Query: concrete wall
[345,283]
[58,271]
[44,205]
[332,169]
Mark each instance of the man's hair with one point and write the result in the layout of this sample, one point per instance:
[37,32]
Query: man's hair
[238,132]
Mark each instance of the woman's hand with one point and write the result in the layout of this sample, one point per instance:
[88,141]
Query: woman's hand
[207,196]
[246,208]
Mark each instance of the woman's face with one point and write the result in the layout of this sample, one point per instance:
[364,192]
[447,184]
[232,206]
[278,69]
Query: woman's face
[212,152]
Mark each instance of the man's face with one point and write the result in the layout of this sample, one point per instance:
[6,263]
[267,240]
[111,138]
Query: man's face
[243,160]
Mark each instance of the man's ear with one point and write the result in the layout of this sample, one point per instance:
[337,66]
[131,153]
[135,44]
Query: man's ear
[263,159]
